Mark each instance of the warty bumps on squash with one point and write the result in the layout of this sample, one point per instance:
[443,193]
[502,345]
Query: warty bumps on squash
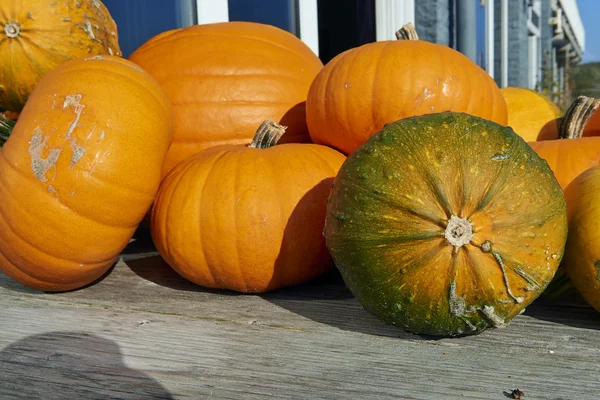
[362,89]
[446,224]
[80,170]
[224,79]
[38,35]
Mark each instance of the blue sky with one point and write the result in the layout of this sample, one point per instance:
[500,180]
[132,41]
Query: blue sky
[590,13]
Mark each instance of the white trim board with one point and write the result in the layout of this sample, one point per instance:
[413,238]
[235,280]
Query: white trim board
[210,11]
[391,15]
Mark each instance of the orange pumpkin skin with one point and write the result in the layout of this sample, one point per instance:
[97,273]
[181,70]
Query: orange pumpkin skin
[224,79]
[531,115]
[245,219]
[38,35]
[80,170]
[592,126]
[569,157]
[582,253]
[362,89]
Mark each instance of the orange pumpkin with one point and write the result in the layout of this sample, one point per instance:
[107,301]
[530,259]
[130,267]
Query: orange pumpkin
[582,253]
[362,89]
[249,219]
[592,123]
[569,157]
[38,35]
[80,170]
[573,154]
[531,114]
[224,79]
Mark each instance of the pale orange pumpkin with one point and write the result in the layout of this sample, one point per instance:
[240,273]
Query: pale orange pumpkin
[249,219]
[38,35]
[362,89]
[80,170]
[224,79]
[531,114]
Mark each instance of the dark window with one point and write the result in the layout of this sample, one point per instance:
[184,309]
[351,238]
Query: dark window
[280,13]
[139,20]
[343,25]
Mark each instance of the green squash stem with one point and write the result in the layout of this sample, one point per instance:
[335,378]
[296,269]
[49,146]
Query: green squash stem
[6,127]
[577,116]
[267,135]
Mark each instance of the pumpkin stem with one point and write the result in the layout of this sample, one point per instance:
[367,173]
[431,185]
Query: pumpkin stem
[267,135]
[407,32]
[12,29]
[459,232]
[6,127]
[577,116]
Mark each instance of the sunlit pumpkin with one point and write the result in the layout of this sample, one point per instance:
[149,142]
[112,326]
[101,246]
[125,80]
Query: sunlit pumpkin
[582,254]
[531,114]
[446,224]
[38,35]
[362,89]
[224,79]
[80,170]
[247,218]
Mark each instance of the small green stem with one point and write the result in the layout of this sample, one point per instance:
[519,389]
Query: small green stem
[6,127]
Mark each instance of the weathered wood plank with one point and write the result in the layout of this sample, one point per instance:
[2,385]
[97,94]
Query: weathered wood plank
[144,332]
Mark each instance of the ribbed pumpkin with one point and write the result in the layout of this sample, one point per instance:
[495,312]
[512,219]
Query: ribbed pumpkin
[569,157]
[249,219]
[38,35]
[582,254]
[573,153]
[80,170]
[224,79]
[531,114]
[362,89]
[446,224]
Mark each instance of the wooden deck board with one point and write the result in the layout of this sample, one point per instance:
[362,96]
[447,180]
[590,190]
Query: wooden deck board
[144,332]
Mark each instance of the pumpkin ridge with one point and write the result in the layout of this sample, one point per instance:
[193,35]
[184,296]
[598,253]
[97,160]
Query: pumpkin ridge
[234,198]
[220,103]
[238,75]
[311,148]
[374,82]
[184,167]
[94,65]
[14,168]
[193,33]
[429,218]
[203,244]
[19,237]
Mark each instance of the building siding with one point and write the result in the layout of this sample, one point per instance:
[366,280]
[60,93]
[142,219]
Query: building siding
[433,21]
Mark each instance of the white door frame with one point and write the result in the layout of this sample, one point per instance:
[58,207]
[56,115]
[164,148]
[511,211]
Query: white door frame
[391,15]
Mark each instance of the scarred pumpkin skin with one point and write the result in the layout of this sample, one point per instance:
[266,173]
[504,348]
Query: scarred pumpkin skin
[80,170]
[247,219]
[531,114]
[569,157]
[362,89]
[400,211]
[582,253]
[38,35]
[224,79]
